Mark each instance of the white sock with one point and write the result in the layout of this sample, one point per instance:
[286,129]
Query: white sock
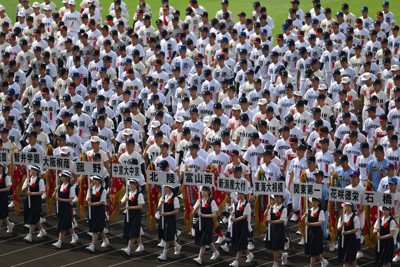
[164,252]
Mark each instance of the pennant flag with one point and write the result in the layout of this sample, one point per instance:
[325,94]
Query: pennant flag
[261,202]
[303,205]
[371,213]
[219,197]
[51,176]
[153,192]
[334,209]
[83,187]
[190,196]
[18,177]
[117,191]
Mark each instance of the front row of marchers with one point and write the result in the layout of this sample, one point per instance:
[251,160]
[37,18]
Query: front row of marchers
[205,211]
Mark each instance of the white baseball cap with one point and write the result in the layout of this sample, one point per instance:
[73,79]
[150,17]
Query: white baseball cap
[236,107]
[395,68]
[21,14]
[322,87]
[366,76]
[127,131]
[71,2]
[179,119]
[155,124]
[64,1]
[298,93]
[47,7]
[2,8]
[262,101]
[36,5]
[95,139]
[345,80]
[64,150]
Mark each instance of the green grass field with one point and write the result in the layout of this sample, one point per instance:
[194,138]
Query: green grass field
[277,9]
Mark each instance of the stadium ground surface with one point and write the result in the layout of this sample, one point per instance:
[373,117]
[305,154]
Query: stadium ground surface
[14,251]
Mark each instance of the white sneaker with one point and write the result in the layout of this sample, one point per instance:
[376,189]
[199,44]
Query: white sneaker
[162,257]
[126,250]
[90,233]
[275,264]
[10,227]
[225,220]
[235,263]
[302,242]
[57,244]
[298,232]
[359,255]
[11,205]
[42,233]
[287,245]
[27,226]
[90,248]
[28,238]
[220,240]
[284,258]
[43,220]
[331,246]
[215,255]
[178,233]
[250,246]
[74,239]
[198,260]
[177,249]
[224,247]
[324,263]
[161,244]
[249,257]
[105,243]
[396,258]
[140,248]
[294,218]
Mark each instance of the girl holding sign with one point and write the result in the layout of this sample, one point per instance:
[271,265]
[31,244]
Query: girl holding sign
[386,230]
[5,185]
[206,209]
[349,226]
[314,246]
[240,228]
[276,218]
[35,188]
[169,205]
[96,198]
[64,196]
[134,201]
